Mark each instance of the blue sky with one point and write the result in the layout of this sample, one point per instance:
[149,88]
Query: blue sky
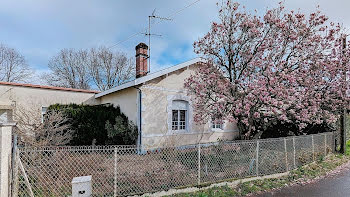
[40,29]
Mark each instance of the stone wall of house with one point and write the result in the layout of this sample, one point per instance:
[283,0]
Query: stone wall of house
[157,97]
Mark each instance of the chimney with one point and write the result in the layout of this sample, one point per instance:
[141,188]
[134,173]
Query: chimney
[141,60]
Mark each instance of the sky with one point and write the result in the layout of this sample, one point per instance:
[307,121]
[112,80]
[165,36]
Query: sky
[40,29]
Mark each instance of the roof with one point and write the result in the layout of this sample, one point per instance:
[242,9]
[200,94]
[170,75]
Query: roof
[149,77]
[48,87]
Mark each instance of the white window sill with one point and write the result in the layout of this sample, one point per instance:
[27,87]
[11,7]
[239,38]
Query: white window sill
[177,131]
[216,129]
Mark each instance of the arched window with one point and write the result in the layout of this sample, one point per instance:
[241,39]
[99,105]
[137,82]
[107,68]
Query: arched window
[179,119]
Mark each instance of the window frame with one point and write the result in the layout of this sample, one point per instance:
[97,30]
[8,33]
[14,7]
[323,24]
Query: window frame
[215,126]
[178,125]
[43,113]
[171,100]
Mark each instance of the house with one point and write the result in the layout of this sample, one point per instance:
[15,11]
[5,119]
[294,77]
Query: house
[32,100]
[158,103]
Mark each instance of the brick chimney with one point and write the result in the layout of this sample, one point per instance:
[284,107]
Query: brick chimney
[141,60]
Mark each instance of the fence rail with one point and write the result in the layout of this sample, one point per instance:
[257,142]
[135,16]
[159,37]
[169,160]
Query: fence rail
[122,170]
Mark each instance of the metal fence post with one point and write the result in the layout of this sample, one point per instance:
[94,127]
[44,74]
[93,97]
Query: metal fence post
[334,144]
[15,186]
[257,158]
[115,170]
[294,152]
[325,145]
[25,177]
[199,164]
[286,153]
[313,148]
[13,165]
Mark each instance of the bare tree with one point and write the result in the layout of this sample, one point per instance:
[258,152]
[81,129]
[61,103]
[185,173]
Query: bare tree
[109,69]
[95,67]
[13,66]
[54,130]
[69,69]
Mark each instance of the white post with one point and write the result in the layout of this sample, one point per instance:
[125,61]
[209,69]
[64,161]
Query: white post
[5,159]
[286,153]
[115,170]
[294,152]
[199,164]
[257,158]
[313,148]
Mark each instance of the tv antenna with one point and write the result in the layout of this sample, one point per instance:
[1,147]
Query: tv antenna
[149,34]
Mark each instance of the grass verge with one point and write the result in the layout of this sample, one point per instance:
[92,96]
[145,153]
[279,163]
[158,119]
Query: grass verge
[301,175]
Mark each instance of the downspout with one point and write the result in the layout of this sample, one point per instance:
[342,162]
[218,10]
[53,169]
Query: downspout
[139,137]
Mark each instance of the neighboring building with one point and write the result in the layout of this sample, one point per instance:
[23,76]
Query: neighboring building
[32,100]
[160,106]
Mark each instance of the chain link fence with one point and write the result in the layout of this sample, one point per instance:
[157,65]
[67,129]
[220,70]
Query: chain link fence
[123,170]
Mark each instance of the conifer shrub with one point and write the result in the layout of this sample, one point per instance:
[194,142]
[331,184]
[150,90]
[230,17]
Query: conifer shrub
[98,124]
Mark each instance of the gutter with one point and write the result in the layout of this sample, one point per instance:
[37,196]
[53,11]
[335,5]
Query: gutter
[139,138]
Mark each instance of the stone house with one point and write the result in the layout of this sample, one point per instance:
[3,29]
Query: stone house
[158,103]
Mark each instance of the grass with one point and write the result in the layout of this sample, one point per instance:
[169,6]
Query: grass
[348,147]
[301,175]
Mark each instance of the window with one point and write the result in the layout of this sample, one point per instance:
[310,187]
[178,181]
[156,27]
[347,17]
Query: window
[179,120]
[43,113]
[179,115]
[217,124]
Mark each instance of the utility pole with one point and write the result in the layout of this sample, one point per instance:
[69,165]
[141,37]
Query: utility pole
[343,115]
[149,34]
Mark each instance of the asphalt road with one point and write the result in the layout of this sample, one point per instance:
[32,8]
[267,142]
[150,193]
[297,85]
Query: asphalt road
[334,186]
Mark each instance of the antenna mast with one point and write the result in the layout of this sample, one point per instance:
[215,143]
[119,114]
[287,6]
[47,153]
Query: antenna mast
[149,34]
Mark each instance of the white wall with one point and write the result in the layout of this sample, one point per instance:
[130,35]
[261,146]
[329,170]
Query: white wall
[32,99]
[126,99]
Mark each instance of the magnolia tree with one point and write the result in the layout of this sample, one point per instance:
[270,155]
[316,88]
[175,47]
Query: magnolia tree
[282,66]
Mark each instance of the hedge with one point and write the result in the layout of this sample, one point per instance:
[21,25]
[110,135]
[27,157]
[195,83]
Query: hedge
[98,124]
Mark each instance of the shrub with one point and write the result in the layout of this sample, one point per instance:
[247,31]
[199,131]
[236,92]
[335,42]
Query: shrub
[55,130]
[121,130]
[277,129]
[98,124]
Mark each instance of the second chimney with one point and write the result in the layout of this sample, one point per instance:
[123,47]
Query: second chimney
[141,60]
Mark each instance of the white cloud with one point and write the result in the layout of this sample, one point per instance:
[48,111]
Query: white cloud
[39,29]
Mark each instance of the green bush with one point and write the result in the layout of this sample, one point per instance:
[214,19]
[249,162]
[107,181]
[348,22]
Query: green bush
[277,129]
[98,124]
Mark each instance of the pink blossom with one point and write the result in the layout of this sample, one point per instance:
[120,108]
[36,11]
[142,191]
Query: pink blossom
[284,66]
